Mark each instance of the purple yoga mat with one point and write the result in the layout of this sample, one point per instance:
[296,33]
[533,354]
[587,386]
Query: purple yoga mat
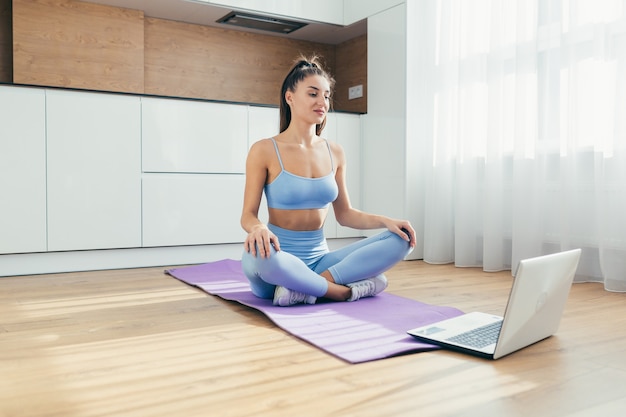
[366,330]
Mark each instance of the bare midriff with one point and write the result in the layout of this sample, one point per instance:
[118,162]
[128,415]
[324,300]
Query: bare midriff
[300,220]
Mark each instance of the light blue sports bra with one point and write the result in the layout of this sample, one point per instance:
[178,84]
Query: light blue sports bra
[293,192]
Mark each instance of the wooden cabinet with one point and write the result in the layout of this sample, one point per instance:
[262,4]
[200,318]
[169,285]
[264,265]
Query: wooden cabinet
[94,170]
[22,170]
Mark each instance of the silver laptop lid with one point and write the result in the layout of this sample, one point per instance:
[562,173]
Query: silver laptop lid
[537,300]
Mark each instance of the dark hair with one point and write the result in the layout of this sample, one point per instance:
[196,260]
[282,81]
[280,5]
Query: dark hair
[303,68]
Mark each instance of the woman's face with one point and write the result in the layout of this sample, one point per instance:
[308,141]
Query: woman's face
[311,99]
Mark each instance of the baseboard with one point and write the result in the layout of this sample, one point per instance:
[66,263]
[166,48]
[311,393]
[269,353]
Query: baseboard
[93,260]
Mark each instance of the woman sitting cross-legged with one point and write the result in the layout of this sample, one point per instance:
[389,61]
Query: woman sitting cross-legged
[301,173]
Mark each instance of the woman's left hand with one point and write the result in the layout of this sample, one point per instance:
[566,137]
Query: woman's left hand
[403,229]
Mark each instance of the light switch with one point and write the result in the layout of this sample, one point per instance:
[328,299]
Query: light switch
[355,92]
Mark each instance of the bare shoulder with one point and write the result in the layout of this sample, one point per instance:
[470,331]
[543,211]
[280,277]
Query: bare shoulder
[261,148]
[334,146]
[337,150]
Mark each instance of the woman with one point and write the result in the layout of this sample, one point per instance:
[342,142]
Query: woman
[301,173]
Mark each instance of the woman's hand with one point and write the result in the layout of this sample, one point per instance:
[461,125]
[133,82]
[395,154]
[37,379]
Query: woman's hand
[262,238]
[403,229]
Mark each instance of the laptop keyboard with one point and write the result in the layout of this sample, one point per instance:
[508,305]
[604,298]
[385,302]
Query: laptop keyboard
[479,337]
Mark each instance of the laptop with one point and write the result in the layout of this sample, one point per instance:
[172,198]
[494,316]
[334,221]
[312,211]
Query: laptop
[533,312]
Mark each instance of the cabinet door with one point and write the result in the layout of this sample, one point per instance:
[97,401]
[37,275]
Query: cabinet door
[345,129]
[94,171]
[349,136]
[326,11]
[330,133]
[193,136]
[22,170]
[263,122]
[183,209]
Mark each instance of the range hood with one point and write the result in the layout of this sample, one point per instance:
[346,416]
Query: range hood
[259,22]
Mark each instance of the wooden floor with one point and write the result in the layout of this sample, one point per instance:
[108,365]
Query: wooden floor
[140,343]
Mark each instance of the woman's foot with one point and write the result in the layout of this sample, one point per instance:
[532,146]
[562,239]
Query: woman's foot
[285,297]
[367,287]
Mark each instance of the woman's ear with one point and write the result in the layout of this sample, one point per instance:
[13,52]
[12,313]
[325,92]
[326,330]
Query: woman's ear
[288,97]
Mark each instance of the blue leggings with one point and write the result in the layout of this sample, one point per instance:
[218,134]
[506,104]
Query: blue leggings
[305,254]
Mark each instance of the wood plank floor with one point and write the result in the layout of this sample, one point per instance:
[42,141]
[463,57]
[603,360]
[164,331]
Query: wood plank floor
[140,343]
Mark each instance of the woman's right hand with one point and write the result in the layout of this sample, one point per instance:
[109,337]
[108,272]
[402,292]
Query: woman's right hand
[262,238]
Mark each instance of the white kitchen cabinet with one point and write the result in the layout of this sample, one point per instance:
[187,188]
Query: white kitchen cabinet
[355,10]
[263,122]
[85,184]
[94,170]
[349,136]
[22,170]
[345,129]
[192,209]
[330,132]
[326,11]
[193,136]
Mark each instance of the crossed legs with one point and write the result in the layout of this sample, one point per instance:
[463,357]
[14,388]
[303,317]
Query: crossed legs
[328,276]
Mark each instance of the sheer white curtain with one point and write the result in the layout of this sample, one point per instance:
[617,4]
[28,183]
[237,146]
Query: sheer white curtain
[526,149]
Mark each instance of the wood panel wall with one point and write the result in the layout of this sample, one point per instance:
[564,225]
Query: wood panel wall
[351,64]
[72,44]
[6,42]
[67,43]
[188,60]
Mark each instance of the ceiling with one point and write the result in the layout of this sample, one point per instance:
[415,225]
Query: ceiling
[206,14]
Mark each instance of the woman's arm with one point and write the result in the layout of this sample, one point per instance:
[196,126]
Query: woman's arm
[348,216]
[256,174]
